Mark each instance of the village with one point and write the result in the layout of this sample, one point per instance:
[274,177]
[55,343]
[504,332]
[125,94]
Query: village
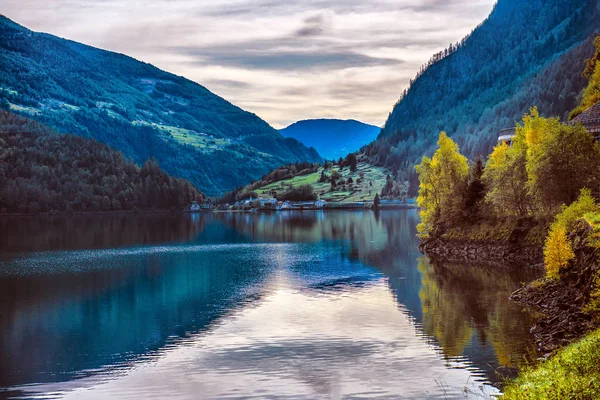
[272,204]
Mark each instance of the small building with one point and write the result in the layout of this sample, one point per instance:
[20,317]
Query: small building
[286,205]
[507,136]
[590,119]
[269,202]
[195,207]
[320,203]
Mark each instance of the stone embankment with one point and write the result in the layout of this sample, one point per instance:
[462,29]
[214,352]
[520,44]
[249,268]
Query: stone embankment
[482,252]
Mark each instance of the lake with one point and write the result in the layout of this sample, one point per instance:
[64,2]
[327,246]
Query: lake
[300,305]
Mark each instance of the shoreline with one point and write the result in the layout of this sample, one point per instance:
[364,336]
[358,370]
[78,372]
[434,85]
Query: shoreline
[482,252]
[140,212]
[561,302]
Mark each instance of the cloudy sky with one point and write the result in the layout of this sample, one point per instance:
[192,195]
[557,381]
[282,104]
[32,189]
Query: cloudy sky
[284,60]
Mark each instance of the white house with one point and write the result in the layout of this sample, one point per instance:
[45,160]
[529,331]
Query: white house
[195,207]
[264,202]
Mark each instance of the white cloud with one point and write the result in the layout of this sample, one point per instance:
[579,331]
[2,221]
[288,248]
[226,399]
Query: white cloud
[293,60]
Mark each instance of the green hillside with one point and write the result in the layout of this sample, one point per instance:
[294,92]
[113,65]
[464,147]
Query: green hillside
[138,109]
[351,186]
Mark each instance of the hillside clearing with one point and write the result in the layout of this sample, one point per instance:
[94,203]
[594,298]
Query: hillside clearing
[367,181]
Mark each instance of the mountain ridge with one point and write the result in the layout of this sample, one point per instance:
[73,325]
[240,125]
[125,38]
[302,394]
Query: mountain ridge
[525,54]
[139,109]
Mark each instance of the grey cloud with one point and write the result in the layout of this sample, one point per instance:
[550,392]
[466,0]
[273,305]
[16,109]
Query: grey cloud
[360,90]
[229,83]
[270,7]
[313,26]
[284,60]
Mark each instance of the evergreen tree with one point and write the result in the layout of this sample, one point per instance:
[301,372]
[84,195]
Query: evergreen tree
[475,192]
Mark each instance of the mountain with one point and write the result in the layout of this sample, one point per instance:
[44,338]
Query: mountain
[138,109]
[332,138]
[526,53]
[41,170]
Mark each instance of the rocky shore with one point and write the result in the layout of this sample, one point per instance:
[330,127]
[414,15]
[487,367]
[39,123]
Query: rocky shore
[562,302]
[482,252]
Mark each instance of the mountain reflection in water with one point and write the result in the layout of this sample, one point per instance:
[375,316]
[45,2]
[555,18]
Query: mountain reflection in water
[290,304]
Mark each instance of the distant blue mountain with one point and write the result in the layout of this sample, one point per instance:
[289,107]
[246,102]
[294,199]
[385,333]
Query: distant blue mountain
[332,138]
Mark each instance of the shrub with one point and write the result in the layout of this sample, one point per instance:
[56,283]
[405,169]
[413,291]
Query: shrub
[557,251]
[583,205]
[593,306]
[301,193]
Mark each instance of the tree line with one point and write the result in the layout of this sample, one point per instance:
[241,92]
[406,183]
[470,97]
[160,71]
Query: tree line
[43,171]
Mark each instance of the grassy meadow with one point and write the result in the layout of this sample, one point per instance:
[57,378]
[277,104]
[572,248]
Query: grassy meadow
[372,179]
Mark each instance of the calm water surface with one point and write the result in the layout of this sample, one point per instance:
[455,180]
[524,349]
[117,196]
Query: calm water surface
[299,305]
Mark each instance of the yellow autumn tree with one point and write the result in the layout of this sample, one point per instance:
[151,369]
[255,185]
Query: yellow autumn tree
[440,180]
[561,160]
[557,251]
[505,177]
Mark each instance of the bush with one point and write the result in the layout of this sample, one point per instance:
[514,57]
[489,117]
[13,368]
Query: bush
[583,205]
[557,251]
[301,193]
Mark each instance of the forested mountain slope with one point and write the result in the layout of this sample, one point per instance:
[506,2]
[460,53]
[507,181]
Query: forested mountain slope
[332,138]
[526,53]
[41,170]
[138,109]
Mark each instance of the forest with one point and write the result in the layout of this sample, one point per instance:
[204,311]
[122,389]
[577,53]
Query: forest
[526,53]
[44,171]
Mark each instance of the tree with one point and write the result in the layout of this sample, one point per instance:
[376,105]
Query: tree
[376,201]
[591,94]
[106,203]
[440,180]
[557,251]
[323,176]
[505,176]
[351,161]
[566,159]
[475,192]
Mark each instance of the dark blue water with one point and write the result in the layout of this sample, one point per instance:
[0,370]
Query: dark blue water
[282,305]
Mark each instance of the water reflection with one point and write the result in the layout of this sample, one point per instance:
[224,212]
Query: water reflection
[468,312]
[309,304]
[95,231]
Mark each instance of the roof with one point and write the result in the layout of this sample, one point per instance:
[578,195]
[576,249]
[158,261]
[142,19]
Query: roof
[591,113]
